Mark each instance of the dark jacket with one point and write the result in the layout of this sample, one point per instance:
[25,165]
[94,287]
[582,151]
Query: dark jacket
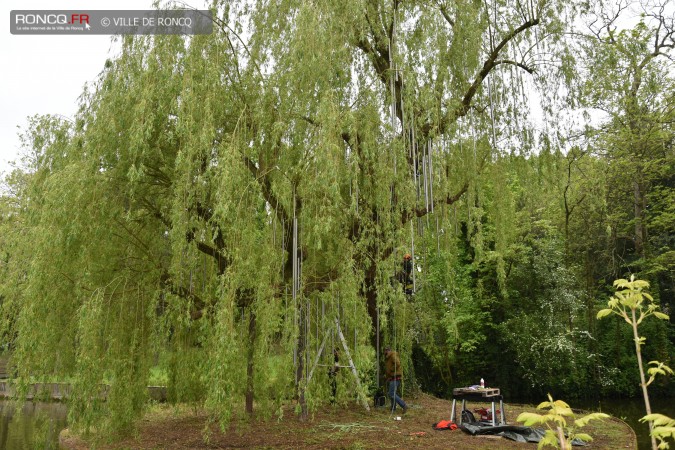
[392,366]
[405,277]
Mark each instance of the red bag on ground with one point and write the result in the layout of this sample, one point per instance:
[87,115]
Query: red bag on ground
[445,425]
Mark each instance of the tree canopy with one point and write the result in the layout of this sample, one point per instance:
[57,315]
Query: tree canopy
[220,201]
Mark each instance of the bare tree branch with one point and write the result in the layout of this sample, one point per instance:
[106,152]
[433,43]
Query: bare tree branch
[488,65]
[423,211]
[526,68]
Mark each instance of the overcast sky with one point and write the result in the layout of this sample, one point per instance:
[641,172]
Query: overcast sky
[46,74]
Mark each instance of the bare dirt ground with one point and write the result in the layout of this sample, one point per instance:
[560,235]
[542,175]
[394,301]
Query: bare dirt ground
[337,427]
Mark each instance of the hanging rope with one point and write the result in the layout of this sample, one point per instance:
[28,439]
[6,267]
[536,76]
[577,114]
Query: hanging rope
[308,316]
[283,246]
[492,115]
[393,322]
[355,329]
[427,175]
[412,253]
[377,343]
[294,286]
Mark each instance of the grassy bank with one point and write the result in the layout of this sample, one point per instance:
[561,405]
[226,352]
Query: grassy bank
[352,427]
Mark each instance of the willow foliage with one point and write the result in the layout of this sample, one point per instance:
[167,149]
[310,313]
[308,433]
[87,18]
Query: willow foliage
[162,234]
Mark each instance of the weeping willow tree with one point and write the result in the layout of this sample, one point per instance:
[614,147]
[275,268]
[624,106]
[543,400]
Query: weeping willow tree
[221,201]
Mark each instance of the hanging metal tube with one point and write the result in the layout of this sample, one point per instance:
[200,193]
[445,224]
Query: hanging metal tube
[414,150]
[431,177]
[295,259]
[438,239]
[426,186]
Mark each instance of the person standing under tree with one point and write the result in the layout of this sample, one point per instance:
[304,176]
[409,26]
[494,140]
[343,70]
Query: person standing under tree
[394,372]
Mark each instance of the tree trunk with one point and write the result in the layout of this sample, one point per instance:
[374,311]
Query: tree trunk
[371,301]
[249,367]
[300,379]
[643,383]
[562,439]
[640,229]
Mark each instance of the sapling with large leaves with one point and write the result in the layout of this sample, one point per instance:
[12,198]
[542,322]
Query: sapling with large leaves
[634,305]
[663,428]
[560,433]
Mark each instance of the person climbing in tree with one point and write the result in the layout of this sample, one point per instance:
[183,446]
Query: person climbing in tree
[394,372]
[405,276]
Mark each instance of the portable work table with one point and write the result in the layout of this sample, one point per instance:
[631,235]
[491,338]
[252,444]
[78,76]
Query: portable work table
[491,395]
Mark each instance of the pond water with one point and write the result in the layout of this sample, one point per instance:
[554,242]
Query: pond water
[34,425]
[630,411]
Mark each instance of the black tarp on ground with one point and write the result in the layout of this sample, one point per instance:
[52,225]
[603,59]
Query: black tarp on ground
[513,432]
